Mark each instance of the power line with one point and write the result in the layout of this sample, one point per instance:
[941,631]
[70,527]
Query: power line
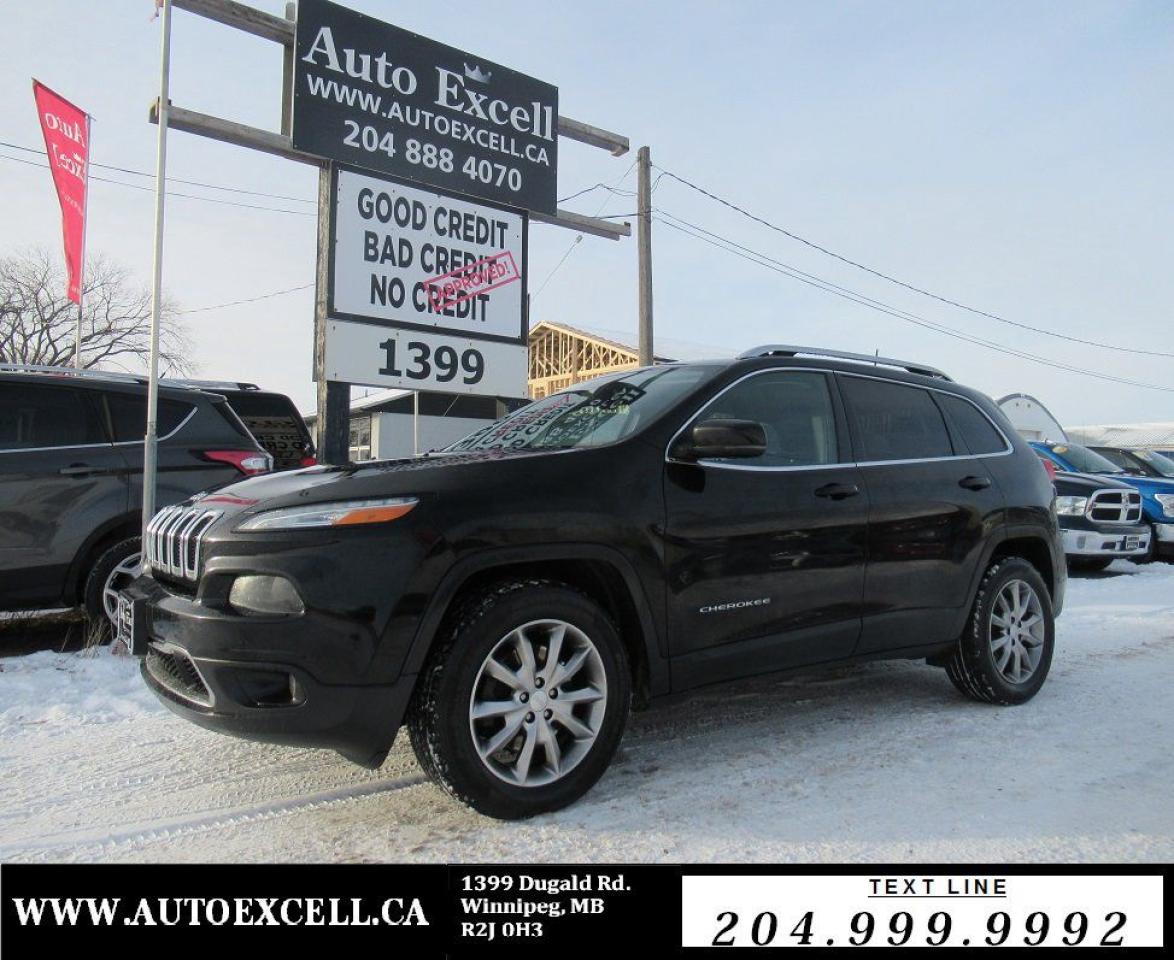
[574,243]
[762,260]
[151,176]
[559,264]
[901,283]
[170,193]
[234,303]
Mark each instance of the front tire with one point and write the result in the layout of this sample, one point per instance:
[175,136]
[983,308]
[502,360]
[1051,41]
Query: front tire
[1004,654]
[115,567]
[524,701]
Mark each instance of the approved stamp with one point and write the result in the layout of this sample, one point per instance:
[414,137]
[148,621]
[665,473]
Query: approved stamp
[474,279]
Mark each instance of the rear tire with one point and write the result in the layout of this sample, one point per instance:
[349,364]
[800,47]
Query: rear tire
[524,700]
[115,567]
[1004,654]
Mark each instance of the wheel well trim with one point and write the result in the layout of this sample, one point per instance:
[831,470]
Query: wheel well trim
[117,528]
[999,538]
[483,562]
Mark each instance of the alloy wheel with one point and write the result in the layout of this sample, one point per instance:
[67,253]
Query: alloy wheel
[1017,631]
[129,569]
[538,703]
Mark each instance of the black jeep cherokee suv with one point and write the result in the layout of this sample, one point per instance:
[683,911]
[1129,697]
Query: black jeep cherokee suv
[641,534]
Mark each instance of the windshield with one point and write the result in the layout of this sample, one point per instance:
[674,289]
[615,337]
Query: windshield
[590,414]
[1085,460]
[1162,465]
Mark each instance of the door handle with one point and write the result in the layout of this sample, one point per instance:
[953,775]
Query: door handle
[837,491]
[975,483]
[77,470]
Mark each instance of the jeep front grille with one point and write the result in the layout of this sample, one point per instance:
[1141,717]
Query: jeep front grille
[175,540]
[1115,506]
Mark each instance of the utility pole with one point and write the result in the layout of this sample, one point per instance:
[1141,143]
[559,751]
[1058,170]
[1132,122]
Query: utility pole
[334,398]
[644,248]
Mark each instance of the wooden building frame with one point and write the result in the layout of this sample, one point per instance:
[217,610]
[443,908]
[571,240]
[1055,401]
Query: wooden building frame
[562,355]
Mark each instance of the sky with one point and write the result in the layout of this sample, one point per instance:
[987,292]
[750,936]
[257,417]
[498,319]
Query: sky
[1014,157]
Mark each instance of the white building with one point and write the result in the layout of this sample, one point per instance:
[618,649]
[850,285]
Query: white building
[1031,418]
[1145,436]
[384,425]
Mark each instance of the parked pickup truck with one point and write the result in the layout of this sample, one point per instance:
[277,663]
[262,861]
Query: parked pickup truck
[1157,495]
[1100,520]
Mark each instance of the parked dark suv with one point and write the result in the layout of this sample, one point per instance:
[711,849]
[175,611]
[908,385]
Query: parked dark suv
[271,418]
[642,534]
[71,464]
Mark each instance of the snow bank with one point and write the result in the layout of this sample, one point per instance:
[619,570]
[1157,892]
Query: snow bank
[66,689]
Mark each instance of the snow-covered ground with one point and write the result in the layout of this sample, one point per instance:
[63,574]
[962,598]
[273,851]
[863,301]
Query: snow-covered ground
[882,762]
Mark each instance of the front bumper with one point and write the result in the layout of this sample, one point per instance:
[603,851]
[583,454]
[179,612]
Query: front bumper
[1106,541]
[1164,535]
[243,676]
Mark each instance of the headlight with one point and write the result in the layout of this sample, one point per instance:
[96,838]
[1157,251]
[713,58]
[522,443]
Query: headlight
[341,514]
[1167,502]
[1071,506]
[265,595]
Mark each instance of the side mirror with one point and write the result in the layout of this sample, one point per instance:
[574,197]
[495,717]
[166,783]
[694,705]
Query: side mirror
[719,438]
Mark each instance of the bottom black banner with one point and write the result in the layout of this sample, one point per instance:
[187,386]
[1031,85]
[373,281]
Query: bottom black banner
[573,910]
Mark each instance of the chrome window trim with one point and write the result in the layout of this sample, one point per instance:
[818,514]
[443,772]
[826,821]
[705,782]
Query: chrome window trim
[841,464]
[115,443]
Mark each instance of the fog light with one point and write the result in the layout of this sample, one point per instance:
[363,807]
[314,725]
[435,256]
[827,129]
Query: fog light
[271,596]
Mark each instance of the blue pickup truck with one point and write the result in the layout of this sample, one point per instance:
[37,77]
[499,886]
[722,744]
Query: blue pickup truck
[1157,494]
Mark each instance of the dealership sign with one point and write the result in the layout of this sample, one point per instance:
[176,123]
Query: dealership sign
[425,291]
[374,95]
[405,257]
[415,360]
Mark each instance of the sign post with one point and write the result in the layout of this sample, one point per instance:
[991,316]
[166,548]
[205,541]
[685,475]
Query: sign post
[150,444]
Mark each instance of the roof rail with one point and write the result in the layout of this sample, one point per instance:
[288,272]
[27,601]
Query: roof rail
[787,350]
[118,377]
[210,384]
[72,372]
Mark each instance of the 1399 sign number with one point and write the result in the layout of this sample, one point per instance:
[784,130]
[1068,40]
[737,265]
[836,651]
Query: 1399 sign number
[448,364]
[900,929]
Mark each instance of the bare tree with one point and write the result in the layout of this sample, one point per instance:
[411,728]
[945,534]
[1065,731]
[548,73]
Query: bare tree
[38,321]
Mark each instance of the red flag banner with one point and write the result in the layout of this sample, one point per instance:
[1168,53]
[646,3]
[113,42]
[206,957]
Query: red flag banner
[67,142]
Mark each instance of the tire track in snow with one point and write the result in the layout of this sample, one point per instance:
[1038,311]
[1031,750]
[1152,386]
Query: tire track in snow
[79,841]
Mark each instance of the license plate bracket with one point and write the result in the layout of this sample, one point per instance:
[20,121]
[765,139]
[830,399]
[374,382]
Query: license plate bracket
[131,624]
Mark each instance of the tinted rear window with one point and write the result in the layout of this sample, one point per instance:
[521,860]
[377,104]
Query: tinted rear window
[978,433]
[39,415]
[276,424]
[894,421]
[128,415]
[262,405]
